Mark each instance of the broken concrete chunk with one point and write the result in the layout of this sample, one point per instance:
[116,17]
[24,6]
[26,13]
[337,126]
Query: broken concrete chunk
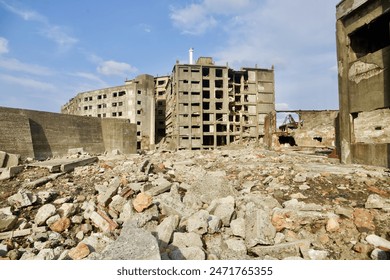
[161,185]
[214,224]
[166,229]
[280,251]
[104,198]
[44,212]
[186,239]
[375,201]
[60,225]
[67,209]
[236,245]
[11,160]
[198,222]
[364,220]
[238,227]
[7,221]
[102,221]
[223,208]
[378,241]
[22,199]
[259,229]
[79,252]
[142,202]
[318,254]
[133,244]
[11,172]
[188,253]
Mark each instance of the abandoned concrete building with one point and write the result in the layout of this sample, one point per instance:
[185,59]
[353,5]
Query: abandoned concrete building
[363,50]
[208,105]
[134,101]
[200,105]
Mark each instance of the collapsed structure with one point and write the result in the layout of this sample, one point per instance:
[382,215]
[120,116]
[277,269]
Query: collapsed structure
[363,51]
[199,106]
[210,105]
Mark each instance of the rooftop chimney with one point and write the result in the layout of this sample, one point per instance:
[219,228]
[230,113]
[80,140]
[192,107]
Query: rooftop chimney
[191,56]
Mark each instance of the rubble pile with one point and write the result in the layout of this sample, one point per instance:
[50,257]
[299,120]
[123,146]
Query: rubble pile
[237,203]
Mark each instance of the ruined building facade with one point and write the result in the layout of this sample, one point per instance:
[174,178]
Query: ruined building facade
[209,105]
[363,50]
[199,106]
[133,101]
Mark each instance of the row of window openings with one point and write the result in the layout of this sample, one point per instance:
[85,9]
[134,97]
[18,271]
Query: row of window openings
[206,94]
[206,83]
[103,96]
[206,72]
[206,106]
[113,114]
[100,106]
[218,117]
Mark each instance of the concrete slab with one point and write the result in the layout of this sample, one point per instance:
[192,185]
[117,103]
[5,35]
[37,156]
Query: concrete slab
[10,172]
[64,165]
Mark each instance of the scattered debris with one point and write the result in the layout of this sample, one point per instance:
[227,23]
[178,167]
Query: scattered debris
[242,203]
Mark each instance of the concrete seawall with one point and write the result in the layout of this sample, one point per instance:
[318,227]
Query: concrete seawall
[42,134]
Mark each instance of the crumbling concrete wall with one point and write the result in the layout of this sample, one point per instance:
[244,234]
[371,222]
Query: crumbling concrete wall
[363,51]
[12,121]
[317,128]
[42,134]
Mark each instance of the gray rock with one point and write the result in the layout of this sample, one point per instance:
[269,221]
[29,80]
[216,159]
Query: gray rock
[378,254]
[198,222]
[186,239]
[45,254]
[258,228]
[67,209]
[318,254]
[166,229]
[22,199]
[237,245]
[238,227]
[3,250]
[44,212]
[133,244]
[104,198]
[7,219]
[223,208]
[300,178]
[280,251]
[214,224]
[375,201]
[161,185]
[188,253]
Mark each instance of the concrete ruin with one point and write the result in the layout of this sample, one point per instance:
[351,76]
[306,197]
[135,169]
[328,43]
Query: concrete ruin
[210,105]
[133,101]
[308,129]
[42,135]
[363,51]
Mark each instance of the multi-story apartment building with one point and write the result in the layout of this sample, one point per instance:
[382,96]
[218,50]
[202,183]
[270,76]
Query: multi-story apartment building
[134,101]
[209,105]
[161,84]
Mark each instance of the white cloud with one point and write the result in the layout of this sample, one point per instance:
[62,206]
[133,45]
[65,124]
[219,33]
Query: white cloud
[28,83]
[193,19]
[59,36]
[53,32]
[16,65]
[3,45]
[115,68]
[91,77]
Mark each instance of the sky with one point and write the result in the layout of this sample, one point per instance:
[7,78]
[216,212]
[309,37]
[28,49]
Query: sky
[52,50]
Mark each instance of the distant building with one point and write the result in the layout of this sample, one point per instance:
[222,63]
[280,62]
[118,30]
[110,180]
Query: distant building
[209,105]
[134,101]
[199,106]
[363,52]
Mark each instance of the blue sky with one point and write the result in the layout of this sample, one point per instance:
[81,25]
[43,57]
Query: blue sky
[51,50]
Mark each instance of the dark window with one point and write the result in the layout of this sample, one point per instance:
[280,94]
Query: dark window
[371,37]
